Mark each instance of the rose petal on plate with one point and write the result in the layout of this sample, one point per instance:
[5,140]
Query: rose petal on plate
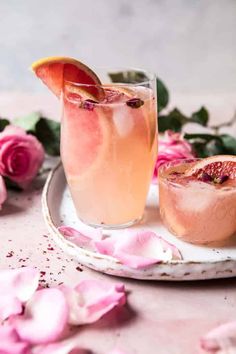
[81,238]
[44,318]
[138,249]
[10,342]
[68,346]
[91,299]
[220,338]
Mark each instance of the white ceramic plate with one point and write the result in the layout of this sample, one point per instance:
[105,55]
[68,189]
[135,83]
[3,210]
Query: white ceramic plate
[199,262]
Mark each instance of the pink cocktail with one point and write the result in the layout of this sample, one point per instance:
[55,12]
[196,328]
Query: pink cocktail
[198,206]
[108,150]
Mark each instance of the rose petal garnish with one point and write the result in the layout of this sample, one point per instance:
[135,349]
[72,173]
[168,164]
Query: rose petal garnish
[221,179]
[205,177]
[81,238]
[138,249]
[221,337]
[10,342]
[88,104]
[64,347]
[135,102]
[44,318]
[91,299]
[17,286]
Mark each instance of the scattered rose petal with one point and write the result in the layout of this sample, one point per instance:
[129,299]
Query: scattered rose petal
[220,338]
[81,238]
[44,318]
[9,305]
[17,286]
[138,249]
[68,346]
[91,299]
[10,342]
[3,192]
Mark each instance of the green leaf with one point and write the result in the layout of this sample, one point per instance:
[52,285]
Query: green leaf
[201,137]
[162,95]
[48,133]
[208,144]
[28,122]
[201,116]
[174,120]
[12,185]
[3,123]
[229,143]
[128,77]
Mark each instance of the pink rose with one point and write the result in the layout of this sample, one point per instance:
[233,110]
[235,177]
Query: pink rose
[21,155]
[3,192]
[172,147]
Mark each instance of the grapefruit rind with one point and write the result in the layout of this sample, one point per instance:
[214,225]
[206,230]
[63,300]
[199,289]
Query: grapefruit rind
[217,166]
[53,71]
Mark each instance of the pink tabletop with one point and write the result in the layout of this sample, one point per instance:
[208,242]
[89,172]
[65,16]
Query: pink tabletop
[161,317]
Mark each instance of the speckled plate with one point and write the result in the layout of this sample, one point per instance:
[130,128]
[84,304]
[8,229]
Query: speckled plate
[199,262]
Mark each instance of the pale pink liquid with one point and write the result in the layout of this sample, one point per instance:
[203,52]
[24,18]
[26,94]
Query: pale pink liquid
[108,155]
[196,211]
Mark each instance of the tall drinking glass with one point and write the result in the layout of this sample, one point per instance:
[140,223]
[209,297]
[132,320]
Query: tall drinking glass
[109,148]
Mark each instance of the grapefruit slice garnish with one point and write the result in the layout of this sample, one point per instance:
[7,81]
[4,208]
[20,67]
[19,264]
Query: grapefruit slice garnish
[85,139]
[215,166]
[53,71]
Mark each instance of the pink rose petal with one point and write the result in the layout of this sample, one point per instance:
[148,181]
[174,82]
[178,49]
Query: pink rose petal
[17,286]
[91,299]
[10,342]
[9,306]
[3,192]
[117,351]
[138,249]
[45,317]
[81,238]
[64,347]
[220,338]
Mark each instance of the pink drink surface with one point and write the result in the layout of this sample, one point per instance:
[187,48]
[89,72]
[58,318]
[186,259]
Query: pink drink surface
[108,151]
[197,211]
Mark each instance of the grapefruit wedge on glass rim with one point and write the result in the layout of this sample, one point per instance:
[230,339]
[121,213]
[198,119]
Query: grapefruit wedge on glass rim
[215,166]
[54,71]
[86,133]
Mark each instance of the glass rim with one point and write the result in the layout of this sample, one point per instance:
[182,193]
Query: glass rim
[176,184]
[151,76]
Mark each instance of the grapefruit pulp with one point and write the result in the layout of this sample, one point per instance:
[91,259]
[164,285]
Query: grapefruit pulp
[215,166]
